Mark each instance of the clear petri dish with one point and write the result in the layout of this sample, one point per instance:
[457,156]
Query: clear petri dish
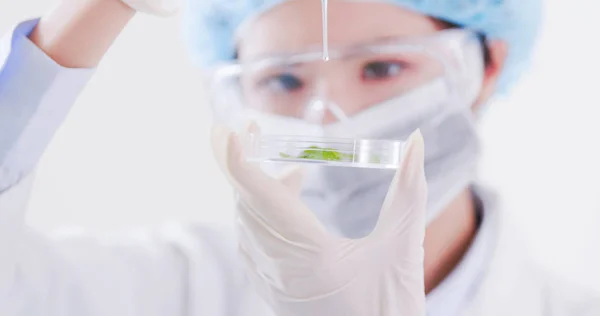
[342,152]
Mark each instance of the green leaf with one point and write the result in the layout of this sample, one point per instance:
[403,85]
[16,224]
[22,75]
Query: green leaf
[317,153]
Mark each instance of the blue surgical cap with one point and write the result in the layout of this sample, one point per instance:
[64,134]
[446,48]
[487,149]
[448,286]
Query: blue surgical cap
[210,26]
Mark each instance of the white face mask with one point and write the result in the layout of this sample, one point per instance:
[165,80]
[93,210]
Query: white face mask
[348,200]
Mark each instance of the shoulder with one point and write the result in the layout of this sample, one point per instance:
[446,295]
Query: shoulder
[516,286]
[515,283]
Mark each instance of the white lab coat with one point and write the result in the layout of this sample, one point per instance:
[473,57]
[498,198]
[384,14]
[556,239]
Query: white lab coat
[180,270]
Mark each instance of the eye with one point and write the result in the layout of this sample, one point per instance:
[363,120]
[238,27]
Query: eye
[381,70]
[282,83]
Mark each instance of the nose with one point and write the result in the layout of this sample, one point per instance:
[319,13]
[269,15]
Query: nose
[337,93]
[323,111]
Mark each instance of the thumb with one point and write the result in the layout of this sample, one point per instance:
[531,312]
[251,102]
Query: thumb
[269,203]
[291,177]
[220,137]
[403,211]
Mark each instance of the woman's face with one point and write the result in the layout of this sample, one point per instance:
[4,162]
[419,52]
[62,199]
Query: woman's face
[296,26]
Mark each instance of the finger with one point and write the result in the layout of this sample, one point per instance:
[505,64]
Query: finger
[228,152]
[220,138]
[403,211]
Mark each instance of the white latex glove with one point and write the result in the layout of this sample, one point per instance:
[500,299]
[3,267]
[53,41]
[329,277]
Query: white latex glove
[302,270]
[155,7]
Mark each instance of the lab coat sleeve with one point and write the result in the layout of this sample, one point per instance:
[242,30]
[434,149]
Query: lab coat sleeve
[35,96]
[171,271]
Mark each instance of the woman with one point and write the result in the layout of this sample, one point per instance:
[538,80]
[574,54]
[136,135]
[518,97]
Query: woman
[472,263]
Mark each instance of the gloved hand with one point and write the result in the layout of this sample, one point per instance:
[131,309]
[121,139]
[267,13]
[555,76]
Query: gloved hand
[300,269]
[155,7]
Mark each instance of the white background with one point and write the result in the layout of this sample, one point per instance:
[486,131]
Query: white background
[135,150]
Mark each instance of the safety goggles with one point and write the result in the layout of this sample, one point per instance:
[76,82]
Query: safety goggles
[308,109]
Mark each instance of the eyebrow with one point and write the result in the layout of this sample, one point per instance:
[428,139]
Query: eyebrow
[317,47]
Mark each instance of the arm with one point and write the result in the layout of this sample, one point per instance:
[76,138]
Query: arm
[143,273]
[43,68]
[36,93]
[78,33]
